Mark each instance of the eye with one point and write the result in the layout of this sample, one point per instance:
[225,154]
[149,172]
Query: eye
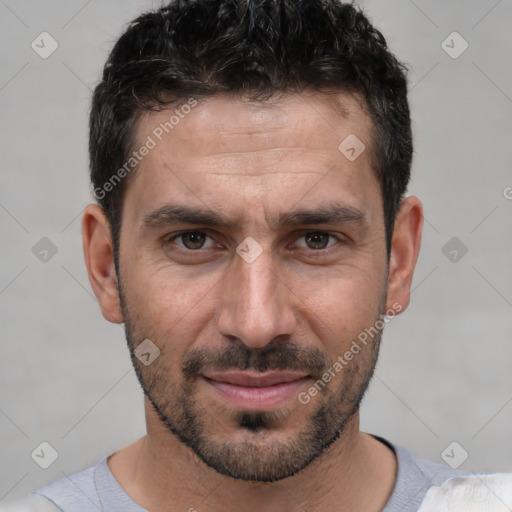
[317,240]
[192,240]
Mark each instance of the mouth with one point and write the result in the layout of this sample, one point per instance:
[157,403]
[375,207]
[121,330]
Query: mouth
[255,390]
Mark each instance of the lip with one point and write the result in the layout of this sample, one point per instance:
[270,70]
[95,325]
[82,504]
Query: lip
[256,390]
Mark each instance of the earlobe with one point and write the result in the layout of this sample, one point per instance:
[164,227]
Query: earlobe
[405,248]
[99,260]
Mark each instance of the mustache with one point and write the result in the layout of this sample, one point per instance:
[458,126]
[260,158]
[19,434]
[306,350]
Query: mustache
[274,356]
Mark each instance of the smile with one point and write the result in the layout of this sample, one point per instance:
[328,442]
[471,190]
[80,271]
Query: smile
[256,391]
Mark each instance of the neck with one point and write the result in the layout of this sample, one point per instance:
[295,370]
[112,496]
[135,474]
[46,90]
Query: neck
[160,473]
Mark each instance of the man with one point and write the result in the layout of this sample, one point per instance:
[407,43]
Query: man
[251,159]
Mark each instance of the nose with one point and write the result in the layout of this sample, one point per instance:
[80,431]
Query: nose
[257,302]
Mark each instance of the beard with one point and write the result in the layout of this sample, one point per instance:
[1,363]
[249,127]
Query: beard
[257,447]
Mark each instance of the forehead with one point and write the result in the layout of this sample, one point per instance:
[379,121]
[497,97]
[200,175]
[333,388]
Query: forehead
[310,120]
[220,150]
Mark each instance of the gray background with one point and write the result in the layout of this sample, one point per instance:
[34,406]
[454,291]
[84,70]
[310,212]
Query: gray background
[444,372]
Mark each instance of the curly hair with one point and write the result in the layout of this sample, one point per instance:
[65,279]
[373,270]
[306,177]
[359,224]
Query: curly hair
[257,49]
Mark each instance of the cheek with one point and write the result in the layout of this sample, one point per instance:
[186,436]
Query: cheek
[338,306]
[171,305]
[168,292]
[347,291]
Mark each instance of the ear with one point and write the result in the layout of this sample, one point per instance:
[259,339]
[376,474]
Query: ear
[405,247]
[99,259]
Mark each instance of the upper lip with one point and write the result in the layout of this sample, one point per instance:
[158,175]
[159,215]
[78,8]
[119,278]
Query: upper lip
[254,379]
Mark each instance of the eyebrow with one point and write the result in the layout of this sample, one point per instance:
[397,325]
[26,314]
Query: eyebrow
[327,213]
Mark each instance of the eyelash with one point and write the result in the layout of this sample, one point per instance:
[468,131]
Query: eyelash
[324,250]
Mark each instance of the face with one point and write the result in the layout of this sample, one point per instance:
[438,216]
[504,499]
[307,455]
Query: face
[252,255]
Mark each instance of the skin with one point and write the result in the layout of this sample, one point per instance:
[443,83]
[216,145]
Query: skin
[251,162]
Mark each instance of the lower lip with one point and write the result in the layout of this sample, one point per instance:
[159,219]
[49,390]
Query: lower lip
[253,398]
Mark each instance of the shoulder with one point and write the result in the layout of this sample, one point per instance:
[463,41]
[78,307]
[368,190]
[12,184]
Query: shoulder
[426,486]
[415,476]
[71,492]
[428,472]
[78,489]
[482,492]
[32,503]
[90,490]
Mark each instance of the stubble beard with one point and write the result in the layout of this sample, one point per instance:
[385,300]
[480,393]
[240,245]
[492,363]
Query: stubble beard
[263,453]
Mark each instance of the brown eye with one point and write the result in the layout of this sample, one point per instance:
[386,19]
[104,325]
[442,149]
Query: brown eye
[317,240]
[191,240]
